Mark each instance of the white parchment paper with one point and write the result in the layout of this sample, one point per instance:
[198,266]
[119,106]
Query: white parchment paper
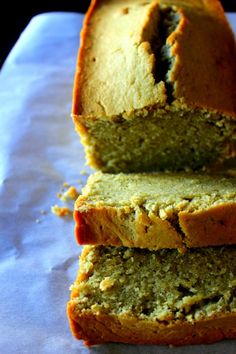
[39,151]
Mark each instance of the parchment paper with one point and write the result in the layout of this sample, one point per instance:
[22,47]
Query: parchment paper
[39,151]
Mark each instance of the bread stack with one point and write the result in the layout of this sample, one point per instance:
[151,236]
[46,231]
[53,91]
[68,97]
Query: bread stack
[154,104]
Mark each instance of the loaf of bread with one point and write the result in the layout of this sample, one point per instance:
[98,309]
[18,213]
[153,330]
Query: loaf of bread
[157,210]
[155,85]
[154,297]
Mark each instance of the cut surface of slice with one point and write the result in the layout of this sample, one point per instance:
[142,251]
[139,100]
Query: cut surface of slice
[154,297]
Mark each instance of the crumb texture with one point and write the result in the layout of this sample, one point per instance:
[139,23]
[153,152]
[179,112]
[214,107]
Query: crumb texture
[162,287]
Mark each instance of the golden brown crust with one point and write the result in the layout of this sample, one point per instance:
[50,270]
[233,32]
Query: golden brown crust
[210,84]
[78,73]
[116,227]
[100,328]
[92,81]
[203,26]
[213,226]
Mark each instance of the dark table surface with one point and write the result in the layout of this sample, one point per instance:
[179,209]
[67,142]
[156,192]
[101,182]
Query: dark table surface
[15,17]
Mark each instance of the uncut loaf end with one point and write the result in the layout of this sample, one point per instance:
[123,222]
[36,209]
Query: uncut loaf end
[155,85]
[154,297]
[157,210]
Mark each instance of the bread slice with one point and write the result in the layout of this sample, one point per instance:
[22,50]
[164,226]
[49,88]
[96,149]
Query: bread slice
[155,85]
[154,297]
[157,210]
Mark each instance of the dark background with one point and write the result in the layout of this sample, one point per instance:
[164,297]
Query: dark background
[15,17]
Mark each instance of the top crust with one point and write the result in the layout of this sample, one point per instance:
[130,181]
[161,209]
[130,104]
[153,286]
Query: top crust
[116,52]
